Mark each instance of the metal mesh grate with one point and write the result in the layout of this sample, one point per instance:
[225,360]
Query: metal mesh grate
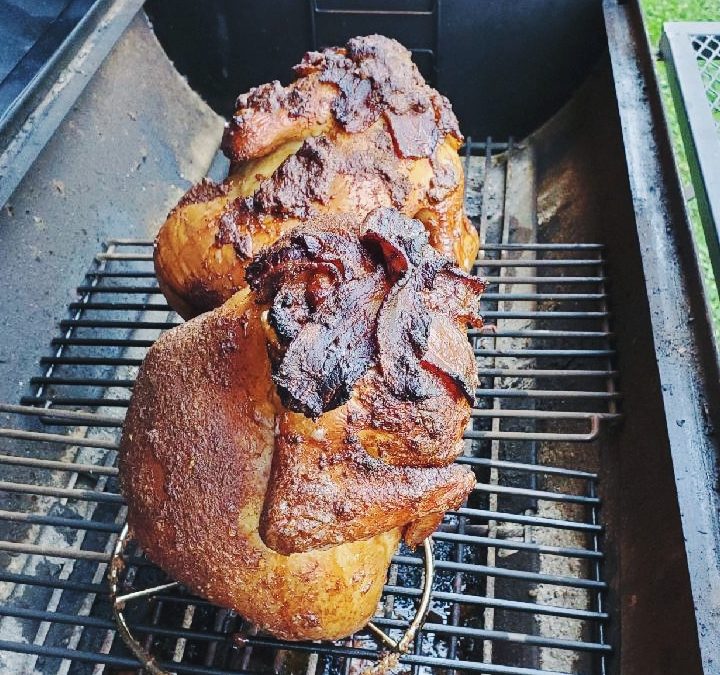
[518,586]
[707,51]
[692,53]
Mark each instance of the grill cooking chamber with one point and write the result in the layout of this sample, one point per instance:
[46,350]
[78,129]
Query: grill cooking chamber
[573,554]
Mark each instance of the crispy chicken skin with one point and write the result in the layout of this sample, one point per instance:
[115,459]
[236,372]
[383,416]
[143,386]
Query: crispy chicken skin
[276,448]
[358,129]
[195,460]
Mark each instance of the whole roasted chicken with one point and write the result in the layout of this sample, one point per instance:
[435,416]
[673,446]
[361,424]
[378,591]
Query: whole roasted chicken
[358,129]
[277,448]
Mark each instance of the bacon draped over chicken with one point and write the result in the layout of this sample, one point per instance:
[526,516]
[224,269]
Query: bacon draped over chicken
[358,129]
[366,333]
[341,302]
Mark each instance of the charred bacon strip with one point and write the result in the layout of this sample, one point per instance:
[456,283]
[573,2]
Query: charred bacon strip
[341,302]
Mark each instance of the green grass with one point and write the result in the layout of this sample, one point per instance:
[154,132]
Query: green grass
[656,12]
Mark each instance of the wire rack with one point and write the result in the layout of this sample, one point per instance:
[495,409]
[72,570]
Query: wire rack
[518,586]
[707,51]
[692,53]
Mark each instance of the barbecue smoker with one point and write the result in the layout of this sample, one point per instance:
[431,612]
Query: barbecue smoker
[592,542]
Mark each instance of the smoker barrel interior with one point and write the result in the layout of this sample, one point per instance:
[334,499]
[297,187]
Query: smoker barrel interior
[574,554]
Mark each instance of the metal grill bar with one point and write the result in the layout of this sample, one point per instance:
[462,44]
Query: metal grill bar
[76,400]
[532,468]
[91,622]
[136,274]
[125,256]
[555,316]
[548,353]
[534,280]
[58,438]
[79,381]
[89,361]
[92,418]
[511,545]
[544,393]
[543,296]
[144,290]
[70,493]
[485,263]
[135,306]
[113,323]
[75,523]
[58,466]
[518,372]
[91,657]
[557,246]
[101,342]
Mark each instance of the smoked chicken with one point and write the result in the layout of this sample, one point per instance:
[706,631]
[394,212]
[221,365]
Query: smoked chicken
[358,129]
[277,448]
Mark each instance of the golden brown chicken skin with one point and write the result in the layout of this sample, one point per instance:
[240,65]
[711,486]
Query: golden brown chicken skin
[358,129]
[276,448]
[195,461]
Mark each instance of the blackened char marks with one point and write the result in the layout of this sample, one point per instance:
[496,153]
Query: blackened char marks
[333,351]
[237,217]
[429,301]
[309,176]
[329,245]
[357,106]
[341,303]
[303,178]
[375,75]
[324,292]
[204,191]
[404,320]
[402,240]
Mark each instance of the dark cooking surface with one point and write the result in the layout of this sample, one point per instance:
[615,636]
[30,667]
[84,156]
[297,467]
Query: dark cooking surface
[519,580]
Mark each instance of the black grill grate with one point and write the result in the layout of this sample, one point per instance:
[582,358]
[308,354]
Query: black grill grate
[518,586]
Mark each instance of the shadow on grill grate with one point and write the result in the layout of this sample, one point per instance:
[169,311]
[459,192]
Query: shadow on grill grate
[518,585]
